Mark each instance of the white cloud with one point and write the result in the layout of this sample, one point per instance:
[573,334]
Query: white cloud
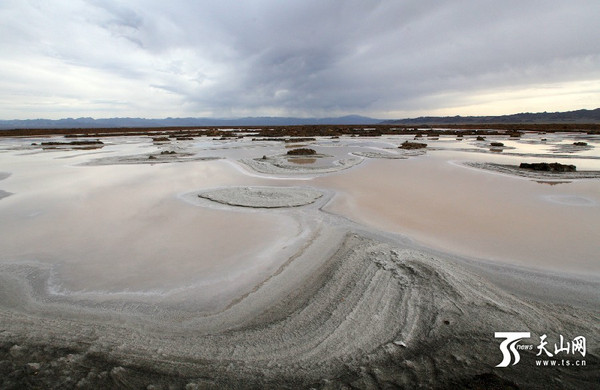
[309,58]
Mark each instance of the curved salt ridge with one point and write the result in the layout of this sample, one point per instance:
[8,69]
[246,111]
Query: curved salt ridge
[365,303]
[155,158]
[278,165]
[263,197]
[399,154]
[387,155]
[248,171]
[570,200]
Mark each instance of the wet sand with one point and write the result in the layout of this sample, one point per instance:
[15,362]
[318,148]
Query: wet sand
[121,276]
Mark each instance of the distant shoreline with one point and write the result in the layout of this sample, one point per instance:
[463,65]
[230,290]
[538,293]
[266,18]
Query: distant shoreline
[313,130]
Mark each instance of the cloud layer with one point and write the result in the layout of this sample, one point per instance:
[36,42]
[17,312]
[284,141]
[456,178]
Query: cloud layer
[299,58]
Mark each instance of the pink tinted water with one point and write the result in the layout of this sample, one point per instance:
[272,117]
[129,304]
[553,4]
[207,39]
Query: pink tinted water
[476,213]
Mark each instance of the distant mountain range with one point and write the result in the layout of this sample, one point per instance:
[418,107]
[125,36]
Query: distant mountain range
[579,116]
[74,123]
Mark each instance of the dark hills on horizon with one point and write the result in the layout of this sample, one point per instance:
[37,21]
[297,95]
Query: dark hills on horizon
[70,123]
[578,116]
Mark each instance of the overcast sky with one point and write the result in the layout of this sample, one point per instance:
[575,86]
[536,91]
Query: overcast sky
[231,58]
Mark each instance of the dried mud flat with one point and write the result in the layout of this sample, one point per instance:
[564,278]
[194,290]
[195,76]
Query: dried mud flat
[514,170]
[263,197]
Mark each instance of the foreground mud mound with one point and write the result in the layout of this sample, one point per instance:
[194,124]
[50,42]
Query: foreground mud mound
[369,316]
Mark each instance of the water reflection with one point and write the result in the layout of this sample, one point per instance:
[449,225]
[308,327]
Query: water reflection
[475,213]
[123,229]
[302,160]
[111,228]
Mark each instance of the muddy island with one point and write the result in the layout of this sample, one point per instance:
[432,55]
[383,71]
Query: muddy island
[302,152]
[548,167]
[412,145]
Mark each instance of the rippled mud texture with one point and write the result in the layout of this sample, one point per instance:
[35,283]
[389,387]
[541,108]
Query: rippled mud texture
[263,197]
[393,155]
[371,315]
[154,158]
[281,165]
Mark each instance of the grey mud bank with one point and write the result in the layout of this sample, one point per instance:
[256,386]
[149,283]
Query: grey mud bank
[262,197]
[370,314]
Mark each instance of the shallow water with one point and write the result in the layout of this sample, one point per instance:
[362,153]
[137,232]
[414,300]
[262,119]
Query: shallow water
[302,160]
[114,275]
[470,212]
[127,229]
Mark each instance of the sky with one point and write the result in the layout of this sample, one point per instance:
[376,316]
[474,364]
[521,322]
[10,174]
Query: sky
[304,58]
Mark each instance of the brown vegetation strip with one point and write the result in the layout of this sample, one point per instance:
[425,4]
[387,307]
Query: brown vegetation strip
[315,130]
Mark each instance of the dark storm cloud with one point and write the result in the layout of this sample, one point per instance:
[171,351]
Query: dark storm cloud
[231,58]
